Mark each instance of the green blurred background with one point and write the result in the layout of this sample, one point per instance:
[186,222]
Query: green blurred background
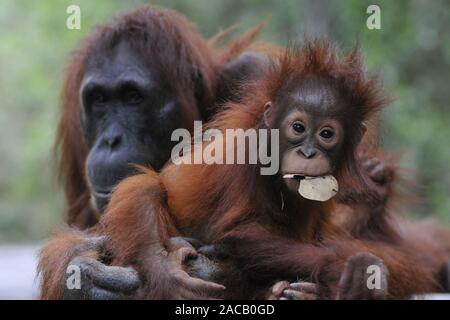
[411,52]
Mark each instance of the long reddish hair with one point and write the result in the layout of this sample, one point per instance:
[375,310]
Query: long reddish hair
[176,52]
[240,186]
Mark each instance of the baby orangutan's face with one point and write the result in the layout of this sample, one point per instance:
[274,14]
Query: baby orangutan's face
[311,135]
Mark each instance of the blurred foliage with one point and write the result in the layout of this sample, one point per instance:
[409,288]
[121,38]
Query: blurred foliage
[411,52]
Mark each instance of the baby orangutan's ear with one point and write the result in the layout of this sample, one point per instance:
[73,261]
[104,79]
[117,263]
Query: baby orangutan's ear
[268,114]
[363,128]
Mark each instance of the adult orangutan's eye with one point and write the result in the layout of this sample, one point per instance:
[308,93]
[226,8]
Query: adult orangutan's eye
[133,97]
[98,98]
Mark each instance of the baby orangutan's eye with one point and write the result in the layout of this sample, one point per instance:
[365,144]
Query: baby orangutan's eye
[326,134]
[298,127]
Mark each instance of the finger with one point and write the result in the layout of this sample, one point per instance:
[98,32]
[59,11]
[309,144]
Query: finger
[179,242]
[117,279]
[181,255]
[110,277]
[354,278]
[96,293]
[379,173]
[345,281]
[369,164]
[278,288]
[306,287]
[200,285]
[297,295]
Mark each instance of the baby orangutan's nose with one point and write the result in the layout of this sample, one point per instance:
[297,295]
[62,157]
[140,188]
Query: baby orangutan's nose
[308,152]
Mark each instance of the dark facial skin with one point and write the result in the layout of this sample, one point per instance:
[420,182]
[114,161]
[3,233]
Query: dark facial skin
[124,106]
[128,116]
[311,133]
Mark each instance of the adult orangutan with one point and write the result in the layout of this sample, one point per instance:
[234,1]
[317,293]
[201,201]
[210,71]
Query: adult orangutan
[145,68]
[267,230]
[127,87]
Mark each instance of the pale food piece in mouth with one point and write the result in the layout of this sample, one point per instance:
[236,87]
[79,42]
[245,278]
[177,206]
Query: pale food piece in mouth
[321,188]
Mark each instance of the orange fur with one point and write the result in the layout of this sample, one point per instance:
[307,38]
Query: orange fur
[149,24]
[55,258]
[232,204]
[176,47]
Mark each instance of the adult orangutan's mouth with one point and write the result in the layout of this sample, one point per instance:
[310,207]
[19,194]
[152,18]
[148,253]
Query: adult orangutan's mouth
[101,199]
[102,193]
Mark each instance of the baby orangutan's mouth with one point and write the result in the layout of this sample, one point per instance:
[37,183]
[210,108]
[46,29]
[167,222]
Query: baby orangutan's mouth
[319,188]
[294,176]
